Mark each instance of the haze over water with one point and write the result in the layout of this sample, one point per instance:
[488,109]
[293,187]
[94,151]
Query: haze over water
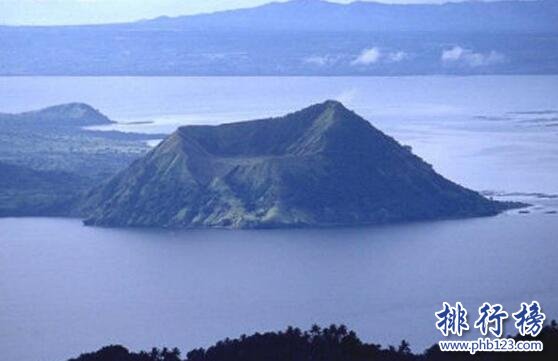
[67,289]
[467,127]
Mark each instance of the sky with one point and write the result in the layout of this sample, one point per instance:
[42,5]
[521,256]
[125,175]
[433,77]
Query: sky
[67,12]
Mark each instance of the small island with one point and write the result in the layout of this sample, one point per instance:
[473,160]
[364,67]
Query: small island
[321,166]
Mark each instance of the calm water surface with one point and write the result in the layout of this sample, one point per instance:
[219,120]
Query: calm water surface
[467,127]
[66,289]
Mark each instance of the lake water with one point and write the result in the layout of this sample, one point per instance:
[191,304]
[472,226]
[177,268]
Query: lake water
[467,127]
[66,289]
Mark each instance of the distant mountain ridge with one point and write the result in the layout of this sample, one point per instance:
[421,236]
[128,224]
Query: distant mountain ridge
[319,15]
[300,37]
[70,114]
[321,166]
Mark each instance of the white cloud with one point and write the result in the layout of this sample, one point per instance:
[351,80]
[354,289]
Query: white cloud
[347,96]
[452,54]
[375,55]
[367,57]
[459,55]
[318,60]
[397,56]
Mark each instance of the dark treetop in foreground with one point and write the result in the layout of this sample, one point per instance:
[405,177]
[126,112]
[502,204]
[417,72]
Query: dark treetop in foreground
[328,344]
[321,166]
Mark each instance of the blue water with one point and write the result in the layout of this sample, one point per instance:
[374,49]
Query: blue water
[66,289]
[438,116]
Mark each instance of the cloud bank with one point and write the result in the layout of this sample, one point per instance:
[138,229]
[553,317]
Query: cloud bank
[374,55]
[367,57]
[461,56]
[319,60]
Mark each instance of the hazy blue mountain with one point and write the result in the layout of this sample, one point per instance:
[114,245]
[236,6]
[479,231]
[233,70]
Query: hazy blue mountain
[48,159]
[321,166]
[72,114]
[317,15]
[55,139]
[301,37]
